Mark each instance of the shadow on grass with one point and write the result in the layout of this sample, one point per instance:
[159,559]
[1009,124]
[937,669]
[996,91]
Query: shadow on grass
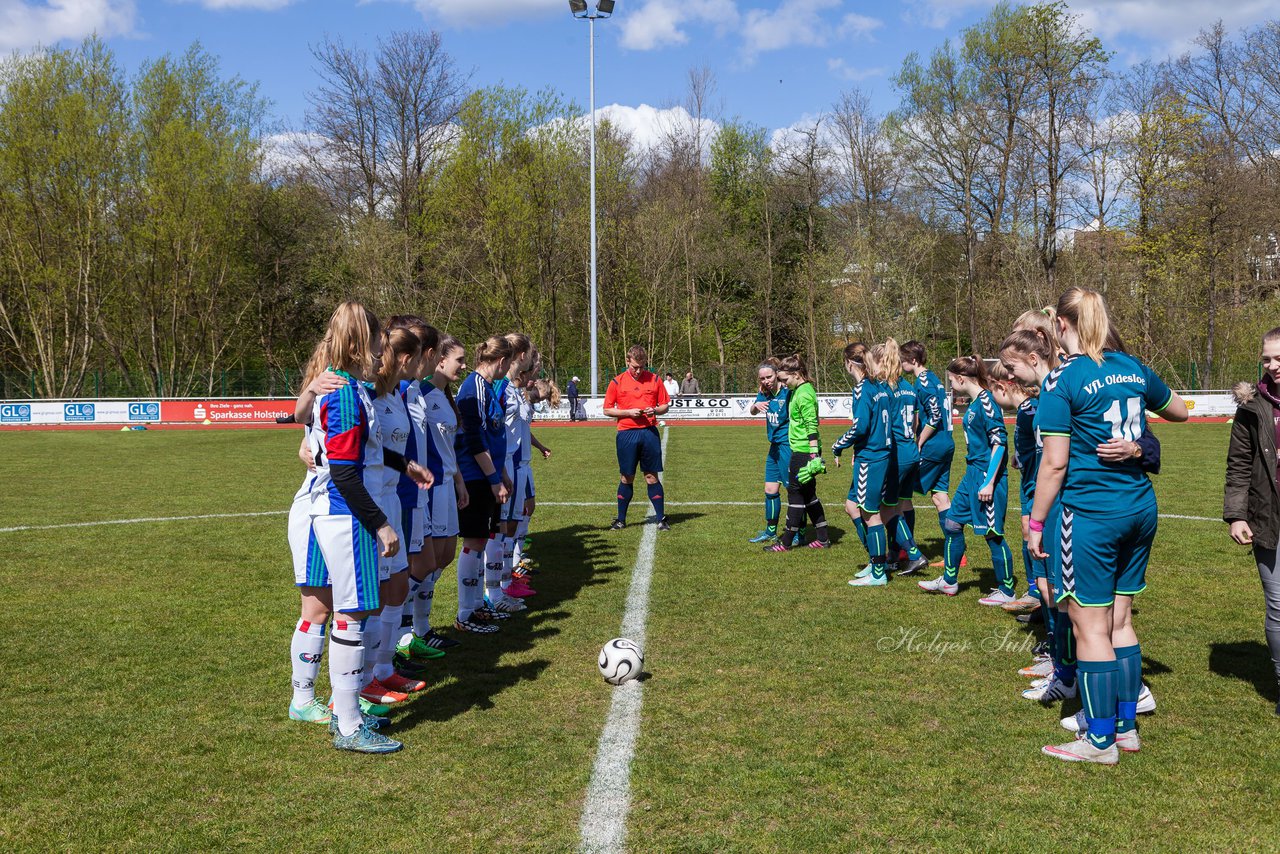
[1249,661]
[573,557]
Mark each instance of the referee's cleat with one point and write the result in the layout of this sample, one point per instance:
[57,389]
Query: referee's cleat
[313,712]
[663,524]
[913,566]
[764,536]
[471,624]
[365,740]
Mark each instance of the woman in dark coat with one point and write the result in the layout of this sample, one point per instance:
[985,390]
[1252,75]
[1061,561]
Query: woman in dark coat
[1252,496]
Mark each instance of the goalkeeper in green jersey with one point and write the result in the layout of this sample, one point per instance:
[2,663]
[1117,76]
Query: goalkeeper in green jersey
[806,457]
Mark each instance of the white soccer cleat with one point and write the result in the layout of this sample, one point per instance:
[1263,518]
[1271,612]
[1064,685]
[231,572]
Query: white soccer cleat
[1042,667]
[1051,692]
[505,604]
[1079,723]
[939,585]
[1081,750]
[996,598]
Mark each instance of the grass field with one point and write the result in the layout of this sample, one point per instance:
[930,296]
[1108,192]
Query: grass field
[144,676]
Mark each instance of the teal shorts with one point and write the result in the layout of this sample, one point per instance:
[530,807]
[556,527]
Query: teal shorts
[777,463]
[985,517]
[1101,555]
[870,479]
[934,475]
[908,476]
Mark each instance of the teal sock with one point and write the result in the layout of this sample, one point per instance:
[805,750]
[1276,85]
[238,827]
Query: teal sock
[772,510]
[1050,618]
[1027,565]
[910,516]
[861,527]
[952,553]
[1129,663]
[905,538]
[1098,683]
[1002,560]
[877,546]
[1064,646]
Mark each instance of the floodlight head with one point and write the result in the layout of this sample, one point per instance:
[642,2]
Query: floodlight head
[604,7]
[578,7]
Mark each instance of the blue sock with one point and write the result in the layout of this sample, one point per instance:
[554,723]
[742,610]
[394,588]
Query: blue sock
[655,498]
[1002,560]
[952,552]
[625,491]
[907,541]
[772,510]
[877,545]
[1129,662]
[1098,683]
[910,516]
[1064,645]
[861,527]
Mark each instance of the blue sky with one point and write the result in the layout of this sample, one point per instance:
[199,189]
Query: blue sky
[776,62]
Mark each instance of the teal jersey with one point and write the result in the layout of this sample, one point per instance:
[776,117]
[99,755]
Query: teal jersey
[1026,442]
[776,421]
[985,433]
[870,435]
[1092,403]
[904,424]
[931,399]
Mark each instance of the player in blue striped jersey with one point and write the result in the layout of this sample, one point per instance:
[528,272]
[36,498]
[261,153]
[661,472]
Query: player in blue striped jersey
[771,402]
[1109,515]
[982,497]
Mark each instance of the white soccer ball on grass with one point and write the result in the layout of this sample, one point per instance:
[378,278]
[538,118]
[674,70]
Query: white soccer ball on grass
[620,661]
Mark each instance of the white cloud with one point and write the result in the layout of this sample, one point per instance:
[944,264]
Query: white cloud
[841,69]
[649,126]
[25,25]
[802,23]
[661,23]
[1171,23]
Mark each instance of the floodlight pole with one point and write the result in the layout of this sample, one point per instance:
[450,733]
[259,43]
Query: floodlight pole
[581,12]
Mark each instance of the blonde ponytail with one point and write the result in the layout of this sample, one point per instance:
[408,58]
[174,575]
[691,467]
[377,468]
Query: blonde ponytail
[1085,310]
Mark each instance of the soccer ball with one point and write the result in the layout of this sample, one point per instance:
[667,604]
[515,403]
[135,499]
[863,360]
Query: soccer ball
[620,661]
[662,424]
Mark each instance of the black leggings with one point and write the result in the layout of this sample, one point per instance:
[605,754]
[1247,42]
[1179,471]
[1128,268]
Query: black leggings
[802,498]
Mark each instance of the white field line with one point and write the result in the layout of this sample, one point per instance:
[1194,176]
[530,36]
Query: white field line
[603,827]
[152,519]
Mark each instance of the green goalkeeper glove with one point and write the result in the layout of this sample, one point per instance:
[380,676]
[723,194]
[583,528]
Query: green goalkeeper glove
[811,469]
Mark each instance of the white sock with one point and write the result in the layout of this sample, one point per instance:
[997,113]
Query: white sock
[410,610]
[372,643]
[387,647]
[522,531]
[305,652]
[422,604]
[493,569]
[508,560]
[470,573]
[346,664]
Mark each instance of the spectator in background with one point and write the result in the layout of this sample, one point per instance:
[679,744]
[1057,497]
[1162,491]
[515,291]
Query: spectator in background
[690,385]
[672,387]
[572,391]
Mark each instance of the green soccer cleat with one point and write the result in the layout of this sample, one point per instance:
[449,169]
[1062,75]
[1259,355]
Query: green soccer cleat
[375,709]
[418,649]
[313,712]
[365,740]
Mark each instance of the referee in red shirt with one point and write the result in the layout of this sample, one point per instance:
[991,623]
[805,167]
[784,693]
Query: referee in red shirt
[636,398]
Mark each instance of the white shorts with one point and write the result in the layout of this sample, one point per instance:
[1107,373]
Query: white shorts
[412,521]
[308,564]
[442,503]
[350,552]
[513,510]
[399,562]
